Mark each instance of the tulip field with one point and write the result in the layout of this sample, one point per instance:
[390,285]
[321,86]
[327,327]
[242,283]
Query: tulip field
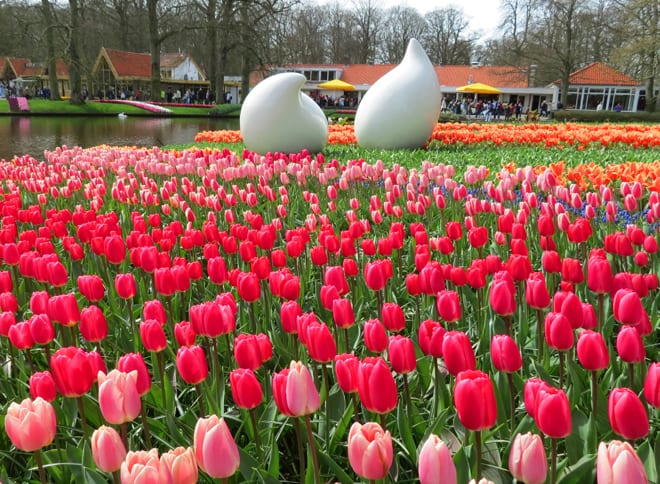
[481,310]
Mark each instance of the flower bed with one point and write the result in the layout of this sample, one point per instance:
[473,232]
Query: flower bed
[285,317]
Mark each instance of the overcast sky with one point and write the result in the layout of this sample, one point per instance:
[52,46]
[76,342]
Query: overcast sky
[482,15]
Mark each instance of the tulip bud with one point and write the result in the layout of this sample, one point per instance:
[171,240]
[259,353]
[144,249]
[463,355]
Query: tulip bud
[474,398]
[108,449]
[627,414]
[527,460]
[435,463]
[31,424]
[212,438]
[618,462]
[370,450]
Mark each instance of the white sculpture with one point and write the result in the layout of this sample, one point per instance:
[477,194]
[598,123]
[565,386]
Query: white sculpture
[277,116]
[402,107]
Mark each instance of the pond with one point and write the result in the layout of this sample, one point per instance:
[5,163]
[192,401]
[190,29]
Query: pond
[20,135]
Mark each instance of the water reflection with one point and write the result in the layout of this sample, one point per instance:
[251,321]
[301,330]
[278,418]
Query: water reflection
[32,135]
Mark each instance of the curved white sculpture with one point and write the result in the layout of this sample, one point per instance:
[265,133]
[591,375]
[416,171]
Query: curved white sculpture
[402,107]
[277,116]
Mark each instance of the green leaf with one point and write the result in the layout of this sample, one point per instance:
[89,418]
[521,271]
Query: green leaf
[575,442]
[338,470]
[584,470]
[651,459]
[403,421]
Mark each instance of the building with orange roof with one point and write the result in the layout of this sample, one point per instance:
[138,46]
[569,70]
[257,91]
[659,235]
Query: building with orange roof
[601,84]
[516,83]
[121,70]
[29,77]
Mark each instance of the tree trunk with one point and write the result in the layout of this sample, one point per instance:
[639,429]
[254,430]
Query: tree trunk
[74,58]
[212,43]
[50,48]
[247,61]
[154,47]
[651,99]
[223,47]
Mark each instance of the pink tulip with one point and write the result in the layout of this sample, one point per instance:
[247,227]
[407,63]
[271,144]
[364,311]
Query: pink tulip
[527,460]
[215,448]
[107,449]
[370,450]
[435,463]
[118,396]
[31,424]
[179,466]
[294,391]
[618,462]
[141,467]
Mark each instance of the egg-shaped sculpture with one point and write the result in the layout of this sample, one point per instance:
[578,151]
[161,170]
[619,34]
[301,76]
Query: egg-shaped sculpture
[402,107]
[277,116]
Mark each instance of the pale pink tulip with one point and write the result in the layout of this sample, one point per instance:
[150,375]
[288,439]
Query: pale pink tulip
[107,449]
[618,462]
[370,450]
[141,467]
[118,396]
[179,466]
[31,424]
[215,448]
[527,460]
[435,463]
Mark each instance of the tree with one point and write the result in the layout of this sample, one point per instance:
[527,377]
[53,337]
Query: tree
[75,66]
[49,21]
[368,19]
[445,40]
[399,26]
[638,53]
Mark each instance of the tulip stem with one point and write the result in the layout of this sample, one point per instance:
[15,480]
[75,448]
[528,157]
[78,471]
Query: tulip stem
[406,389]
[436,387]
[72,333]
[301,454]
[255,430]
[312,447]
[477,436]
[561,369]
[631,375]
[145,426]
[161,375]
[553,468]
[28,355]
[81,412]
[512,397]
[348,346]
[539,335]
[383,421]
[124,434]
[200,398]
[601,310]
[253,319]
[356,415]
[40,466]
[594,392]
[116,477]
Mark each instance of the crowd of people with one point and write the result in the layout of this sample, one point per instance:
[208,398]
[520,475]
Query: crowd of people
[489,109]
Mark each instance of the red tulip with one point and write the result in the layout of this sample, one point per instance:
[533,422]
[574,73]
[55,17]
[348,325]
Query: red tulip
[592,351]
[125,286]
[294,392]
[154,310]
[599,274]
[393,318]
[346,370]
[375,337]
[248,286]
[184,333]
[401,352]
[376,386]
[191,364]
[245,388]
[370,450]
[627,307]
[478,236]
[629,345]
[627,414]
[505,353]
[93,325]
[551,261]
[41,329]
[42,385]
[114,249]
[289,312]
[430,336]
[448,306]
[571,270]
[552,412]
[618,462]
[39,302]
[568,304]
[519,266]
[457,352]
[72,371]
[536,291]
[153,335]
[652,385]
[377,273]
[91,286]
[320,343]
[251,351]
[474,399]
[328,295]
[63,309]
[134,361]
[20,336]
[558,332]
[335,276]
[342,313]
[502,294]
